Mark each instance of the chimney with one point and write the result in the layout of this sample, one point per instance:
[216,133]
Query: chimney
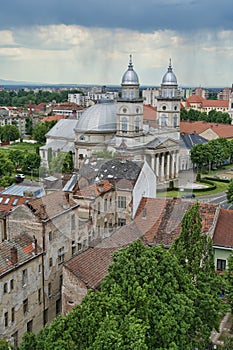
[67,196]
[14,255]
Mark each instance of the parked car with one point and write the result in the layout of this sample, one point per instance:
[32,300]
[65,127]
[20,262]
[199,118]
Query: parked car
[188,195]
[19,177]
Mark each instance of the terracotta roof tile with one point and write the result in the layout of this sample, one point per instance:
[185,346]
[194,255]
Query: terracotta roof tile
[25,251]
[223,234]
[9,202]
[53,118]
[222,130]
[91,266]
[94,190]
[51,205]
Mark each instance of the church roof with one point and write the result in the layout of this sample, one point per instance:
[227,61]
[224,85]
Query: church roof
[130,77]
[169,77]
[98,118]
[63,129]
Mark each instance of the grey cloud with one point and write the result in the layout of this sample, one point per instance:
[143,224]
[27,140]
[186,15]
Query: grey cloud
[147,15]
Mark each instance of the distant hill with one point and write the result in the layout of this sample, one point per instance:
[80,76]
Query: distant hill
[4,82]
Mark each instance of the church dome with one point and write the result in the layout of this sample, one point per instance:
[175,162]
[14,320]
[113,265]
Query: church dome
[169,77]
[99,118]
[130,77]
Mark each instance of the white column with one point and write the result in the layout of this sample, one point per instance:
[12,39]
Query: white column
[157,165]
[162,167]
[168,167]
[172,164]
[152,162]
[177,164]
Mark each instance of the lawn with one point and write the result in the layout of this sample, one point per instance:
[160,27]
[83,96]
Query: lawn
[220,187]
[24,146]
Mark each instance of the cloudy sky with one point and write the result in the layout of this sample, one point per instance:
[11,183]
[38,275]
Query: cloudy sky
[89,42]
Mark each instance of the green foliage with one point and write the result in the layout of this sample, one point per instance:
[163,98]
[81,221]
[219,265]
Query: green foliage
[229,192]
[4,345]
[6,165]
[29,126]
[198,177]
[9,133]
[228,344]
[31,161]
[22,97]
[41,129]
[68,164]
[16,157]
[29,341]
[212,117]
[195,253]
[104,154]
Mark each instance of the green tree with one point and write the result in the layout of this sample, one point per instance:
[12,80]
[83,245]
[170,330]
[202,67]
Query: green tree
[56,164]
[9,133]
[228,344]
[29,126]
[194,251]
[41,129]
[200,155]
[6,166]
[68,164]
[31,161]
[229,192]
[16,157]
[146,302]
[4,345]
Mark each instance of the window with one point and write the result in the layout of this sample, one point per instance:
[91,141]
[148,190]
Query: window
[25,306]
[15,201]
[49,290]
[105,227]
[13,314]
[15,340]
[105,204]
[40,268]
[7,201]
[124,124]
[6,319]
[45,316]
[11,284]
[58,306]
[122,202]
[29,326]
[175,121]
[50,262]
[73,222]
[24,278]
[39,296]
[60,281]
[121,222]
[5,288]
[136,125]
[221,264]
[163,120]
[50,235]
[73,247]
[110,228]
[99,208]
[61,255]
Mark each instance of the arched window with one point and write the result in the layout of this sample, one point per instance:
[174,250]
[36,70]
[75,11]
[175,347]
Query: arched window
[131,94]
[175,121]
[163,120]
[124,124]
[136,125]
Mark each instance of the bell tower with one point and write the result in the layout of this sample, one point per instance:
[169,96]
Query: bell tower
[129,107]
[168,106]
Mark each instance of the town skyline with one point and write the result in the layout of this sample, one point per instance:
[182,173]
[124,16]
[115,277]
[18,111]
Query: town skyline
[76,43]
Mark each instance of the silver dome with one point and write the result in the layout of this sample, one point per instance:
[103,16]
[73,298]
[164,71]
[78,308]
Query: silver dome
[130,77]
[99,118]
[169,77]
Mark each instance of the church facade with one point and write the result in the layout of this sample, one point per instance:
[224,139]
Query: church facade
[118,127]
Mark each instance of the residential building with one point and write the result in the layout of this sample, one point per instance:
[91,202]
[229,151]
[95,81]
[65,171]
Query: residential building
[207,130]
[21,288]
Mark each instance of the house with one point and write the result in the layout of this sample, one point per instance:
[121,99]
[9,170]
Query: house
[52,220]
[207,130]
[199,103]
[21,288]
[157,222]
[223,239]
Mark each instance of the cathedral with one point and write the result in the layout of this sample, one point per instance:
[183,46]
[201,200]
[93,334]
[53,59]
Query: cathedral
[118,127]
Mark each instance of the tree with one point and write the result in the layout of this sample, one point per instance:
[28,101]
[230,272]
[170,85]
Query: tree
[56,164]
[194,251]
[68,164]
[41,129]
[200,155]
[6,166]
[229,192]
[146,302]
[29,126]
[17,157]
[9,133]
[31,161]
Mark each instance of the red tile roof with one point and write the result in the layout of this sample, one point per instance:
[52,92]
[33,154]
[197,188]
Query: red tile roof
[94,190]
[91,266]
[223,234]
[222,130]
[25,246]
[197,99]
[51,205]
[53,118]
[149,112]
[9,202]
[165,227]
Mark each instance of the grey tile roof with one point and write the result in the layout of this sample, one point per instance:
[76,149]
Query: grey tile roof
[63,129]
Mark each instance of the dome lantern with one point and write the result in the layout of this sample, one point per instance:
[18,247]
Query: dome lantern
[169,78]
[130,77]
